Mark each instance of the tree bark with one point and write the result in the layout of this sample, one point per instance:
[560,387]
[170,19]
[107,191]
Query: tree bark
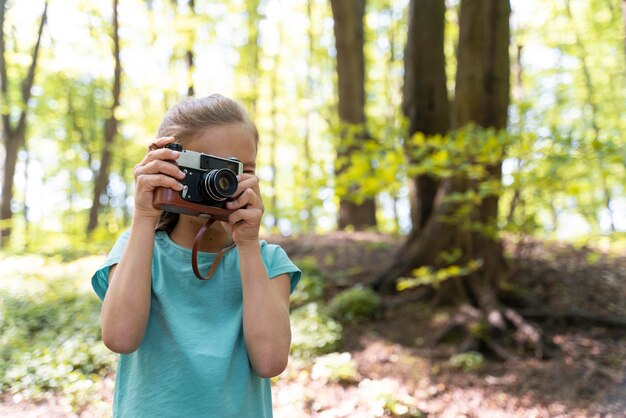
[482,98]
[13,137]
[348,28]
[110,129]
[425,99]
[426,105]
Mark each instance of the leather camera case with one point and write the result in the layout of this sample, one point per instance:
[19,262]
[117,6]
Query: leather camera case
[170,201]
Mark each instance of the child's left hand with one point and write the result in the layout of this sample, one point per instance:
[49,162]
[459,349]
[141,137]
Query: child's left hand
[245,222]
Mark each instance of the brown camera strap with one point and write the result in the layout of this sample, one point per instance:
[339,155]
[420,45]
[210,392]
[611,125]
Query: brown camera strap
[194,253]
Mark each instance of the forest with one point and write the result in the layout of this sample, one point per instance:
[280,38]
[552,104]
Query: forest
[449,175]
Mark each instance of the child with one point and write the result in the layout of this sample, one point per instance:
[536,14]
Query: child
[194,348]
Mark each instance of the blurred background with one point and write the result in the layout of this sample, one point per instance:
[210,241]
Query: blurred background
[450,176]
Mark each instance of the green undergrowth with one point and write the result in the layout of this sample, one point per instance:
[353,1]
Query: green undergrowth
[49,330]
[50,341]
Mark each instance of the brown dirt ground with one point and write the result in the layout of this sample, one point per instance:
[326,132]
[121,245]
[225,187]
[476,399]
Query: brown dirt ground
[585,377]
[396,359]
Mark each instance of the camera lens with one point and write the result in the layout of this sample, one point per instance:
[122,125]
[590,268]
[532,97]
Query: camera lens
[218,185]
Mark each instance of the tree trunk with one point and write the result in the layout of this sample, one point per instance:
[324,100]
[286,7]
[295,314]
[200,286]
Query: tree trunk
[189,56]
[482,97]
[110,129]
[275,132]
[593,116]
[306,143]
[425,100]
[13,136]
[348,27]
[250,55]
[425,103]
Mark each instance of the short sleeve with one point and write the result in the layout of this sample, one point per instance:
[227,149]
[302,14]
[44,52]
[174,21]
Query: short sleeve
[100,279]
[277,262]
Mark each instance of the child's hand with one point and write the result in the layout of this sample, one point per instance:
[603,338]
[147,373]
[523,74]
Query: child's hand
[245,222]
[155,170]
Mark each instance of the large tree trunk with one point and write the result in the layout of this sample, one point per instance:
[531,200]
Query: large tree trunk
[13,136]
[110,129]
[482,97]
[425,99]
[426,105]
[348,27]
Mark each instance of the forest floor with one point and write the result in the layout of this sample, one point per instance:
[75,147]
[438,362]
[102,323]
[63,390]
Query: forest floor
[576,295]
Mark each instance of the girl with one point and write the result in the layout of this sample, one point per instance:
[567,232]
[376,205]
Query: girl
[192,348]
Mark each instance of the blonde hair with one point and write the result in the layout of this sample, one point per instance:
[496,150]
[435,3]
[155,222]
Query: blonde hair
[187,119]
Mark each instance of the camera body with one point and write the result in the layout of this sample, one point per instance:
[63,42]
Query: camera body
[209,183]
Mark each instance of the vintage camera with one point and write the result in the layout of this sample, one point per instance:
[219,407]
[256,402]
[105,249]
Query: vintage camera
[209,183]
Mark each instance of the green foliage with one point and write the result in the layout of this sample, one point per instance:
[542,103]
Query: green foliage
[370,170]
[314,331]
[50,332]
[311,285]
[428,276]
[466,152]
[356,304]
[469,361]
[563,153]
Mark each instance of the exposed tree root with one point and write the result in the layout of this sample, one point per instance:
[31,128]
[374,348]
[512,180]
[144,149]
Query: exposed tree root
[507,335]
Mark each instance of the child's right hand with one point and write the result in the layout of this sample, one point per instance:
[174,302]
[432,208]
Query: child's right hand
[155,170]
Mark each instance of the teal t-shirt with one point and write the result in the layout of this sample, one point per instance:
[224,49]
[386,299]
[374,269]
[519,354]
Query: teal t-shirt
[192,361]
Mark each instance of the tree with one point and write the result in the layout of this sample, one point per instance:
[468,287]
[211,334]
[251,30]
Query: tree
[624,18]
[425,104]
[425,98]
[110,128]
[348,28]
[482,98]
[249,71]
[189,55]
[582,55]
[13,135]
[189,37]
[463,218]
[276,130]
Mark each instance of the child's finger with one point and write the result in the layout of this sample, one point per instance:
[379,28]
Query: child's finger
[149,182]
[163,154]
[248,181]
[249,216]
[247,199]
[159,166]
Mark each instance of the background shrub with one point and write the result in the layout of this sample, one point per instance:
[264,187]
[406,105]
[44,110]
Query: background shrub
[356,304]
